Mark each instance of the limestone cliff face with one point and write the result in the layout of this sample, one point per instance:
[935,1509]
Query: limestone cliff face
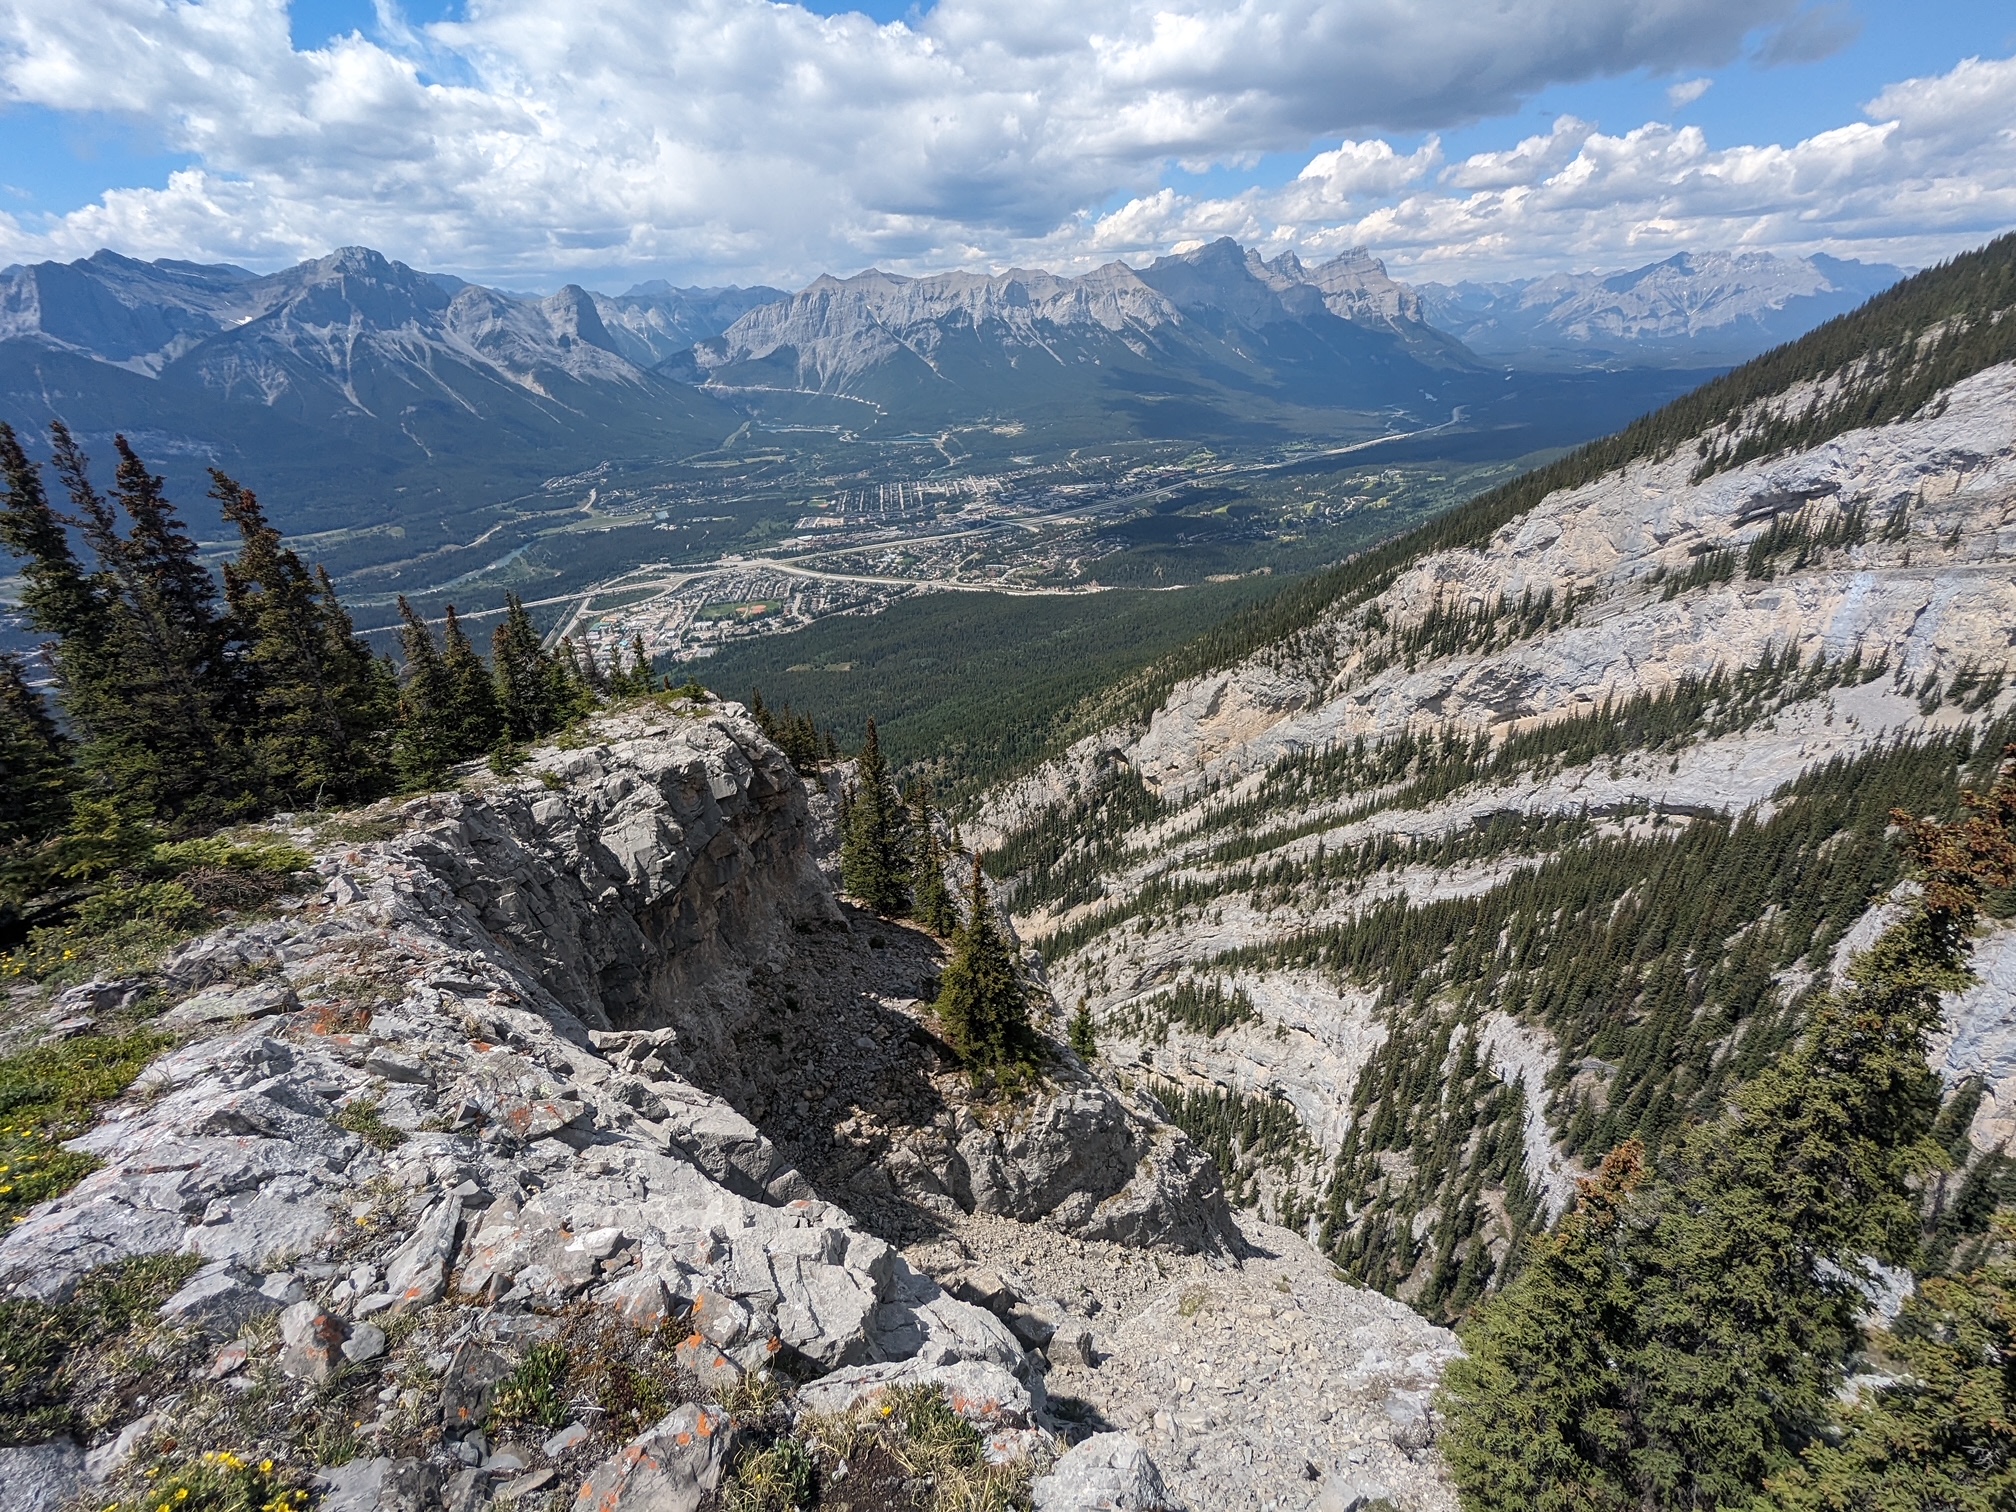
[1936,596]
[853,335]
[596,1037]
[1886,557]
[653,887]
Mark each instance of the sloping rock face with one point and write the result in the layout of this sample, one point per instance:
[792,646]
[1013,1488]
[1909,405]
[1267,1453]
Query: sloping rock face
[1253,838]
[1270,1385]
[538,1159]
[537,984]
[1936,592]
[489,1083]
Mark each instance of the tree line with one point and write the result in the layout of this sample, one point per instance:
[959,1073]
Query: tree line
[179,709]
[1685,1337]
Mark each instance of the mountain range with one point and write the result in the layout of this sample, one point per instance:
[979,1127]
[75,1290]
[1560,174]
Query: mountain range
[1588,786]
[1221,317]
[355,390]
[1696,309]
[401,408]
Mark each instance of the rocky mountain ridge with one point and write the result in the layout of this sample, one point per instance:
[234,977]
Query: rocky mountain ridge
[592,1061]
[653,323]
[1388,910]
[1221,315]
[361,394]
[1694,309]
[143,316]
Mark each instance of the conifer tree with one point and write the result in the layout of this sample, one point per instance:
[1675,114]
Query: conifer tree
[874,850]
[933,907]
[144,661]
[586,669]
[59,597]
[1700,1346]
[1539,1409]
[525,675]
[1084,1038]
[640,666]
[320,707]
[373,680]
[1942,1432]
[425,746]
[34,762]
[981,1004]
[473,717]
[572,683]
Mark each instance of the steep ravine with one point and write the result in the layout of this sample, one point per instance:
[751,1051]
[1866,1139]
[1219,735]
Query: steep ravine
[593,1060]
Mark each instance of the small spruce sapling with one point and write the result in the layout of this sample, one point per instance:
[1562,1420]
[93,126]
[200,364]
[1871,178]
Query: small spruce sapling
[982,1005]
[1084,1041]
[933,905]
[875,849]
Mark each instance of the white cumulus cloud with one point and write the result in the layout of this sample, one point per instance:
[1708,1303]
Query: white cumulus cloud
[536,136]
[1931,168]
[744,138]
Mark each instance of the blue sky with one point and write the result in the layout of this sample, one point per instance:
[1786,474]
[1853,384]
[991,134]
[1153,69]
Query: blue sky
[536,140]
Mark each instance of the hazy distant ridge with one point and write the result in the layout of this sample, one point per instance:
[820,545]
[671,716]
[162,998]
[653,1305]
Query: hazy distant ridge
[1696,308]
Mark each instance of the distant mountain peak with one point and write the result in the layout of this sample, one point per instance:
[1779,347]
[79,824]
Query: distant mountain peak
[1700,308]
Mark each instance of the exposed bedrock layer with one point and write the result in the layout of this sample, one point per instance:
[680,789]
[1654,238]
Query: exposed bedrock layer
[600,1041]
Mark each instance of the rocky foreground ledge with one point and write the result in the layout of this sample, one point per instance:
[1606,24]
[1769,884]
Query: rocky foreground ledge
[572,1145]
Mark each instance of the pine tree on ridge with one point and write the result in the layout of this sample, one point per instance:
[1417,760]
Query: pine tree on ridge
[874,847]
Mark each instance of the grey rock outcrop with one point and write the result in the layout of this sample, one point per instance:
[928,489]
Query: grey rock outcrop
[382,1484]
[1109,1472]
[40,1477]
[469,1087]
[1098,1168]
[1259,1385]
[672,1467]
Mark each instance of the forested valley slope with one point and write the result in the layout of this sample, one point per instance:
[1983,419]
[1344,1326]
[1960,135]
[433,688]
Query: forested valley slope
[1540,830]
[1586,920]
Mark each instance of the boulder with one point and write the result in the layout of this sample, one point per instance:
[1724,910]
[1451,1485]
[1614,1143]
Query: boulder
[469,1384]
[982,1393]
[233,1005]
[1109,1472]
[642,1299]
[1090,1164]
[1353,1493]
[109,1457]
[674,1466]
[40,1477]
[417,1274]
[381,1485]
[311,1340]
[366,1343]
[724,1144]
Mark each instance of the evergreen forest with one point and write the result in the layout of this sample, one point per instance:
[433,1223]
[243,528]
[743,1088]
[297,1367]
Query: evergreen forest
[160,710]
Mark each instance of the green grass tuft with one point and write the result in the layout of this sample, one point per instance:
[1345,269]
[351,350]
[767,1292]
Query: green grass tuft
[48,1094]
